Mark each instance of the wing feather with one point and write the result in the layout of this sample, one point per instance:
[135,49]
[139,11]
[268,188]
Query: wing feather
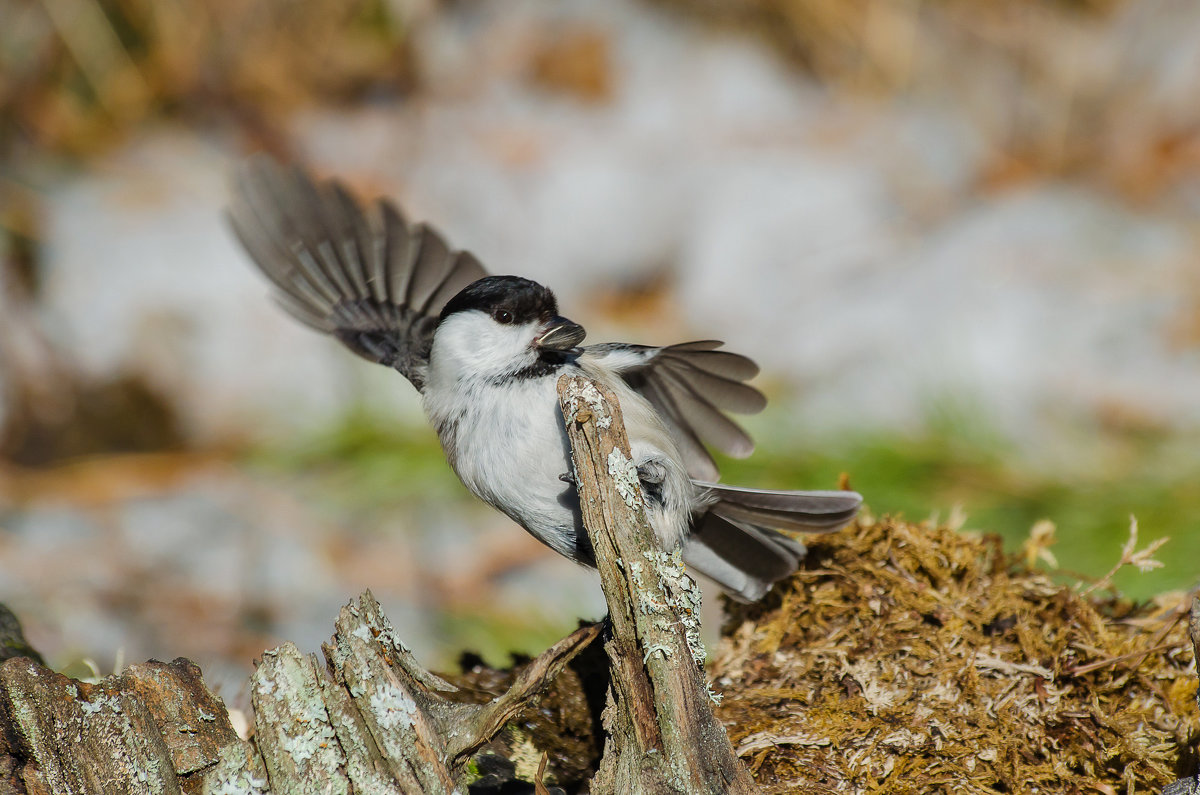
[691,384]
[269,243]
[724,393]
[356,245]
[466,269]
[428,268]
[700,464]
[300,228]
[363,274]
[710,424]
[719,363]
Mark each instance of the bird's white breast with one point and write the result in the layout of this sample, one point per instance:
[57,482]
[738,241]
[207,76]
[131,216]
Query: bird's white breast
[506,440]
[508,445]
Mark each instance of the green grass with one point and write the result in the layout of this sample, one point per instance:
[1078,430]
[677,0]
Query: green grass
[1156,479]
[367,462]
[495,635]
[954,461]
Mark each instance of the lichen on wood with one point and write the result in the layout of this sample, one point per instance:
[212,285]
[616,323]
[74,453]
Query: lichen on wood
[663,736]
[370,720]
[293,727]
[155,728]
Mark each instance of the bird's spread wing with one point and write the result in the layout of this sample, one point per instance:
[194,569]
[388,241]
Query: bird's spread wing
[368,277]
[691,385]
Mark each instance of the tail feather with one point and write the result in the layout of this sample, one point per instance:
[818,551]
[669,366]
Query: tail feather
[744,560]
[806,511]
[736,542]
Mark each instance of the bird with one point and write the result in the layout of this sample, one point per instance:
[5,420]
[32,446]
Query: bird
[485,352]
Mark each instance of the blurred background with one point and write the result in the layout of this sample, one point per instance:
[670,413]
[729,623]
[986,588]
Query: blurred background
[960,236]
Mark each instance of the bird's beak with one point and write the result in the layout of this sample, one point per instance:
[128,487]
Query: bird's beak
[559,334]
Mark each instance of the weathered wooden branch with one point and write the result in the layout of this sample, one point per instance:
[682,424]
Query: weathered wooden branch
[155,728]
[371,720]
[663,736]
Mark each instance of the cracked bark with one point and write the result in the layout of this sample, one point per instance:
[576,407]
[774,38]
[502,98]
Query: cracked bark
[663,735]
[369,720]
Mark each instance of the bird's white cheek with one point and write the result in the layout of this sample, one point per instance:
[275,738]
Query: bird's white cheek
[472,345]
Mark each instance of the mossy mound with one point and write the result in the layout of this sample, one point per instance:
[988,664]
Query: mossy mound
[908,658]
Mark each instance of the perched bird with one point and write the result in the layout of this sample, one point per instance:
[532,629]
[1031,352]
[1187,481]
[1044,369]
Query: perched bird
[486,353]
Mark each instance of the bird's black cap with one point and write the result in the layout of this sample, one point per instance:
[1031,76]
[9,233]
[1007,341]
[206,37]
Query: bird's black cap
[526,300]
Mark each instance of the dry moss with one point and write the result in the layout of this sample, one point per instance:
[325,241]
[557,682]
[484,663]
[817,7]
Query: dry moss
[911,659]
[906,658]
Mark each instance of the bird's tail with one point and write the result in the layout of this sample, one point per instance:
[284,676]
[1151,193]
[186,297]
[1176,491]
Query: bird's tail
[736,541]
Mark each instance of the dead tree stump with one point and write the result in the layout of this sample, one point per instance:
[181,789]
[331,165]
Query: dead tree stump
[371,720]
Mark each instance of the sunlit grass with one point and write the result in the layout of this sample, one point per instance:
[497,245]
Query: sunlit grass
[930,473]
[495,635]
[368,463]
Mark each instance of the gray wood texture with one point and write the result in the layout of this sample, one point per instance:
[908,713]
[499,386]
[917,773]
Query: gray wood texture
[663,735]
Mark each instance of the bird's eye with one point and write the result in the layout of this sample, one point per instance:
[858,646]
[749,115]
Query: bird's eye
[503,316]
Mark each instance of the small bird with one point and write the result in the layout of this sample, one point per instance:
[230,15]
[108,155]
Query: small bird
[486,353]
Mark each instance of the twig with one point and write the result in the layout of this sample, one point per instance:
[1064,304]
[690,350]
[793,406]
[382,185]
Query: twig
[1130,556]
[1155,645]
[531,682]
